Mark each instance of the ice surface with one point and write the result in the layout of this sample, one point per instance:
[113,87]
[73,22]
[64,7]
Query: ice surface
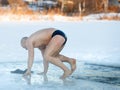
[86,77]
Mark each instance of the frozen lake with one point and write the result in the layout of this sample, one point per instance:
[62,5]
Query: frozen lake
[95,45]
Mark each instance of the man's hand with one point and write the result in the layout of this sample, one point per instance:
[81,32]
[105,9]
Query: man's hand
[27,73]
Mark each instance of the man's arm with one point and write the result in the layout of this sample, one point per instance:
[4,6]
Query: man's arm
[45,63]
[30,59]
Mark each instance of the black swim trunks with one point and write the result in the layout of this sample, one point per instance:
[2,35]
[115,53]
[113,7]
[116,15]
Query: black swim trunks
[59,32]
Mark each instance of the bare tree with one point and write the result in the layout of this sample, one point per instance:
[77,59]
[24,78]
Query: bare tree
[105,3]
[102,4]
[66,3]
[81,6]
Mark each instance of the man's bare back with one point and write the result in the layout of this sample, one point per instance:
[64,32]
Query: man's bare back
[50,42]
[42,37]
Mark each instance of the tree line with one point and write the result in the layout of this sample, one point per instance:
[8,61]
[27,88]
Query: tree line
[70,6]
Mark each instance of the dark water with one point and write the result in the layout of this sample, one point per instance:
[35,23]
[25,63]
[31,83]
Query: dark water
[99,73]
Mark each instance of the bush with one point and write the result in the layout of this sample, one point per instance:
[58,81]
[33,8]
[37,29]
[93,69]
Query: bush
[114,9]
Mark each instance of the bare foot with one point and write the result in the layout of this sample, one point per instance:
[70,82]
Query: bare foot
[66,74]
[27,73]
[73,65]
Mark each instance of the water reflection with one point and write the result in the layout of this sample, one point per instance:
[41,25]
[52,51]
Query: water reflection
[29,81]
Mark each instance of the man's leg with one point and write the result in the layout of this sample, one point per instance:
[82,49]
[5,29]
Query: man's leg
[71,61]
[51,54]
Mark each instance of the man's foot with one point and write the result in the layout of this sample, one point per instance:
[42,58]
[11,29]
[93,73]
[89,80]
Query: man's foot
[66,74]
[73,65]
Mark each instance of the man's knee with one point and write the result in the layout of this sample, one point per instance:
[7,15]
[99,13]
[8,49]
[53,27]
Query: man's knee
[47,57]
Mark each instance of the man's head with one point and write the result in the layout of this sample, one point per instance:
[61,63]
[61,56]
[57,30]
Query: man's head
[23,42]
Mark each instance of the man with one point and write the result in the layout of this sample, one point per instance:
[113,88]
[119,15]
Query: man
[50,42]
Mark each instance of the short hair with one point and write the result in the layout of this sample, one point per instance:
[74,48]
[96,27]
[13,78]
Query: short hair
[23,39]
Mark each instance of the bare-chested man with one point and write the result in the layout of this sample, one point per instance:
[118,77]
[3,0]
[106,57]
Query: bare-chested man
[50,42]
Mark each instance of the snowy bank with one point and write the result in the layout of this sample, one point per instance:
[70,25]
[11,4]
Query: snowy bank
[52,17]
